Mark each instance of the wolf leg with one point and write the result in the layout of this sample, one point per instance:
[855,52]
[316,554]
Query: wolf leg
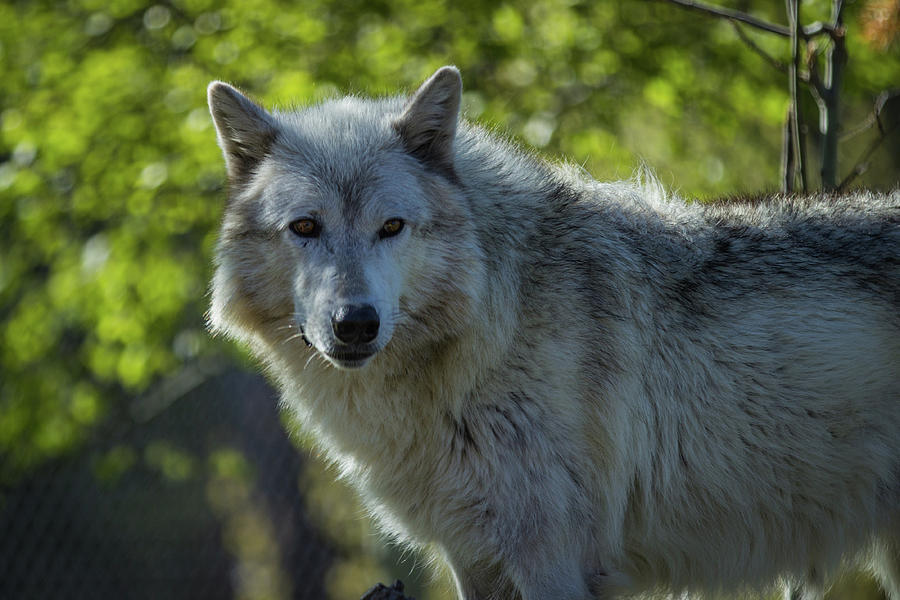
[481,582]
[802,591]
[810,588]
[474,583]
[887,566]
[563,580]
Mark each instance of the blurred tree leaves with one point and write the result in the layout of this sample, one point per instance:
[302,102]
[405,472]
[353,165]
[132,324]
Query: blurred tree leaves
[111,185]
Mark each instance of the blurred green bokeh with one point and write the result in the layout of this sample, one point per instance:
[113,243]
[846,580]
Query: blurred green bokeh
[111,185]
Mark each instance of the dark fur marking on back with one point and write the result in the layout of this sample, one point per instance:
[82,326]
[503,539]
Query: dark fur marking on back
[462,437]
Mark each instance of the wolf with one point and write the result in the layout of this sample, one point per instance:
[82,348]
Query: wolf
[567,388]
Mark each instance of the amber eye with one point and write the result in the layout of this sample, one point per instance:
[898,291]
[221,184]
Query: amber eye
[305,227]
[391,228]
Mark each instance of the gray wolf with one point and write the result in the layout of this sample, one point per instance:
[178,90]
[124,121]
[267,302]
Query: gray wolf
[565,388]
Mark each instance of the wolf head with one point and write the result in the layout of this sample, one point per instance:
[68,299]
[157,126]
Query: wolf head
[345,228]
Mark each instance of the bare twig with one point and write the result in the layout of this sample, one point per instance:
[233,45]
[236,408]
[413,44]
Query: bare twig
[755,47]
[819,28]
[156,400]
[830,119]
[734,15]
[874,118]
[862,165]
[787,155]
[808,32]
[816,87]
[793,10]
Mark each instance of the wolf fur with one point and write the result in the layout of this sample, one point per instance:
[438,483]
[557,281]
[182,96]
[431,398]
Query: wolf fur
[577,389]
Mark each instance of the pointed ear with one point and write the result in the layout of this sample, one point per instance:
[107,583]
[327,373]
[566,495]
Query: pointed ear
[428,123]
[244,129]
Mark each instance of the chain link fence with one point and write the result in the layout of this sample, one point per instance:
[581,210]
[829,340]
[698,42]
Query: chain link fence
[197,497]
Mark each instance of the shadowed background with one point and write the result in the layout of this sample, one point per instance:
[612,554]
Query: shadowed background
[139,458]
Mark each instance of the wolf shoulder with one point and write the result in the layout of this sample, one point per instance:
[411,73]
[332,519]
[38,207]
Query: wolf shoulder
[804,291]
[740,246]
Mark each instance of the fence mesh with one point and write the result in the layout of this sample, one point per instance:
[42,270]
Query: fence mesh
[197,499]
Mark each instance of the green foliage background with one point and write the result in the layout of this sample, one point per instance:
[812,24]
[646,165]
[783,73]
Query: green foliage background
[111,185]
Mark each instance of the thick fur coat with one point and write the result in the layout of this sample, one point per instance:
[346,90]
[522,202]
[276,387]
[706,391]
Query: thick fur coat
[571,389]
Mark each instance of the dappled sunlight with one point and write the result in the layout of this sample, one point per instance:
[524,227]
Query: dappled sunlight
[247,529]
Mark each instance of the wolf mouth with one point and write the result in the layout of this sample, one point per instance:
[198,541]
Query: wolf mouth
[350,359]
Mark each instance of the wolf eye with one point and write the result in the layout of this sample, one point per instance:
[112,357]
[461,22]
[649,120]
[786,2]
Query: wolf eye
[391,228]
[305,227]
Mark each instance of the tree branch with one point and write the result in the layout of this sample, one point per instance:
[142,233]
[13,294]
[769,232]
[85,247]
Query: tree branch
[874,118]
[807,32]
[793,10]
[862,165]
[787,154]
[830,118]
[812,75]
[174,387]
[734,15]
[818,28]
[755,47]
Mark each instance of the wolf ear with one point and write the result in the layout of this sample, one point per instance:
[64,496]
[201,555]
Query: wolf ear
[428,123]
[245,130]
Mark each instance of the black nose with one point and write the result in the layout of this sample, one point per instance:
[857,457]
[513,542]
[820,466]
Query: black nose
[355,324]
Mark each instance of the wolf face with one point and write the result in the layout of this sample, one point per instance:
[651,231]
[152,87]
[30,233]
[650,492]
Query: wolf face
[338,196]
[348,257]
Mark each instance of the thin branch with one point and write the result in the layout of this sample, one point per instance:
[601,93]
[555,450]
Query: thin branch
[862,165]
[830,121]
[793,7]
[808,32]
[837,16]
[734,15]
[819,28]
[816,87]
[755,47]
[156,400]
[787,155]
[874,118]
